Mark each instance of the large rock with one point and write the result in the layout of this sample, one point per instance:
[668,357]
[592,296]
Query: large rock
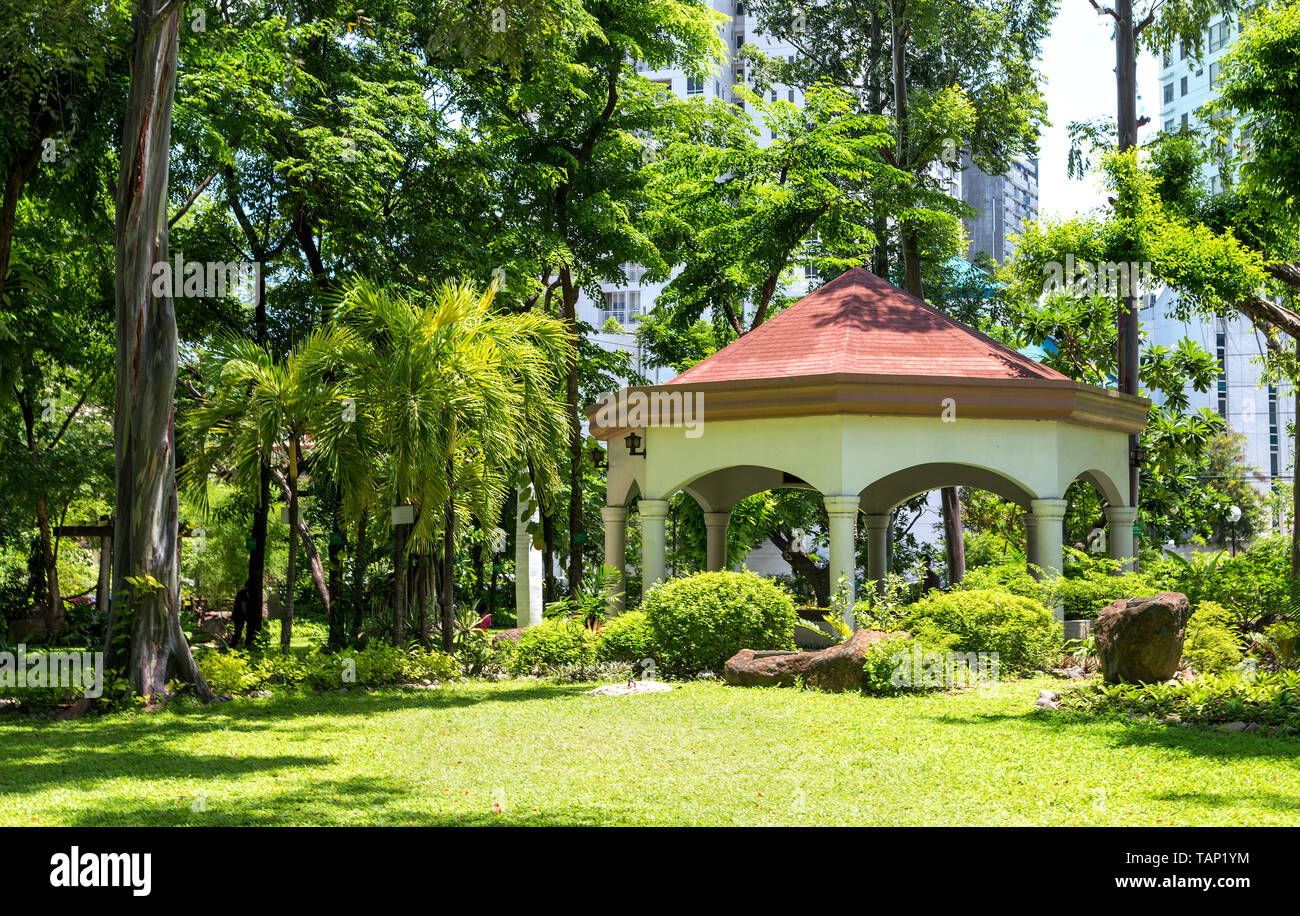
[837,668]
[1140,640]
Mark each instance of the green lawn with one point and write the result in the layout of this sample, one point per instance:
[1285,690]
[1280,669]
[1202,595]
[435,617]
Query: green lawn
[704,754]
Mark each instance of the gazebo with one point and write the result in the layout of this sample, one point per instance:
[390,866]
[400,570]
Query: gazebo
[870,397]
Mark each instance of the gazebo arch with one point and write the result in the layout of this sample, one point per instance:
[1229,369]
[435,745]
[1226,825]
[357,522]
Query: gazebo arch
[869,396]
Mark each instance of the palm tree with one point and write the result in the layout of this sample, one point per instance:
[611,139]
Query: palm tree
[269,411]
[456,398]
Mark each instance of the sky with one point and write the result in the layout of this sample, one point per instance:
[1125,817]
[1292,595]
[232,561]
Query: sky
[1079,66]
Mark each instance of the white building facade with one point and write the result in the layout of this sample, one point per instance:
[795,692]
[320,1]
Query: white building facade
[1257,410]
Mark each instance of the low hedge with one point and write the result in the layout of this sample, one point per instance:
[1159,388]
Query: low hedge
[551,644]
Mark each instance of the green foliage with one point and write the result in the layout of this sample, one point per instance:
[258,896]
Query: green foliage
[1084,596]
[227,672]
[626,638]
[884,663]
[1271,699]
[552,643]
[377,665]
[1210,645]
[702,620]
[1021,630]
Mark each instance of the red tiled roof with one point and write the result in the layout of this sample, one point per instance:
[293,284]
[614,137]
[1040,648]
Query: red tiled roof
[859,324]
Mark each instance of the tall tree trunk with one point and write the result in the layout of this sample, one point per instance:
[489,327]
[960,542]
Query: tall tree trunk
[335,585]
[291,575]
[422,565]
[19,171]
[1295,482]
[257,555]
[50,563]
[359,563]
[146,531]
[449,579]
[399,581]
[570,300]
[1126,117]
[548,558]
[954,545]
[952,524]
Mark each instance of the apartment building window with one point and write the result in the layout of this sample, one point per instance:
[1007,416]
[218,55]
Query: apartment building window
[633,271]
[740,9]
[1182,86]
[1169,93]
[1219,35]
[740,41]
[1184,121]
[790,94]
[1214,75]
[1167,60]
[1221,354]
[773,95]
[1169,126]
[694,86]
[624,306]
[1182,51]
[1273,461]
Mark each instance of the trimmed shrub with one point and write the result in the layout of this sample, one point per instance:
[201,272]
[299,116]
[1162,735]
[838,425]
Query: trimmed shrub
[1210,645]
[1021,630]
[626,638]
[1084,597]
[700,621]
[551,644]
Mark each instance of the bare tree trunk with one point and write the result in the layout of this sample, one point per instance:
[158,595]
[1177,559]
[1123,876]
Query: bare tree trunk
[291,576]
[257,555]
[145,569]
[54,596]
[1295,484]
[570,300]
[399,582]
[359,563]
[449,580]
[954,545]
[1126,117]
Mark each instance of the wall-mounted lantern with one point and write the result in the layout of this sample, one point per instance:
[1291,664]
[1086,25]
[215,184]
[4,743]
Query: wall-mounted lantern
[634,445]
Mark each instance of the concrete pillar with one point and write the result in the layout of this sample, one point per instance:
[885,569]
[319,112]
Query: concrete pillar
[715,528]
[843,513]
[528,565]
[1031,547]
[615,519]
[1049,516]
[878,550]
[654,514]
[1119,538]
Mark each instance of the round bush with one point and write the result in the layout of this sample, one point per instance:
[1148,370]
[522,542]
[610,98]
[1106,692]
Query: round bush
[1019,629]
[626,638]
[1209,644]
[700,621]
[552,643]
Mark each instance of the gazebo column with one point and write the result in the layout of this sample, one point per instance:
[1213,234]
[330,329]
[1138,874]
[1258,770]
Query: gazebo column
[654,513]
[1031,545]
[1049,517]
[615,519]
[878,550]
[715,529]
[843,512]
[1119,537]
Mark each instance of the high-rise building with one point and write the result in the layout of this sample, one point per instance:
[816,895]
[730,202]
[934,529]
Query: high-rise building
[1003,205]
[1258,411]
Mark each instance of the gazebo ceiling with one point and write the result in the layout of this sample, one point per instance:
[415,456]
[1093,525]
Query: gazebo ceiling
[860,345]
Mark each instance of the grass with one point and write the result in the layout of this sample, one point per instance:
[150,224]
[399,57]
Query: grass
[532,753]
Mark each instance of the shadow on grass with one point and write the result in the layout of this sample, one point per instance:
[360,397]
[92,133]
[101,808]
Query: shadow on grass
[1202,740]
[326,803]
[39,753]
